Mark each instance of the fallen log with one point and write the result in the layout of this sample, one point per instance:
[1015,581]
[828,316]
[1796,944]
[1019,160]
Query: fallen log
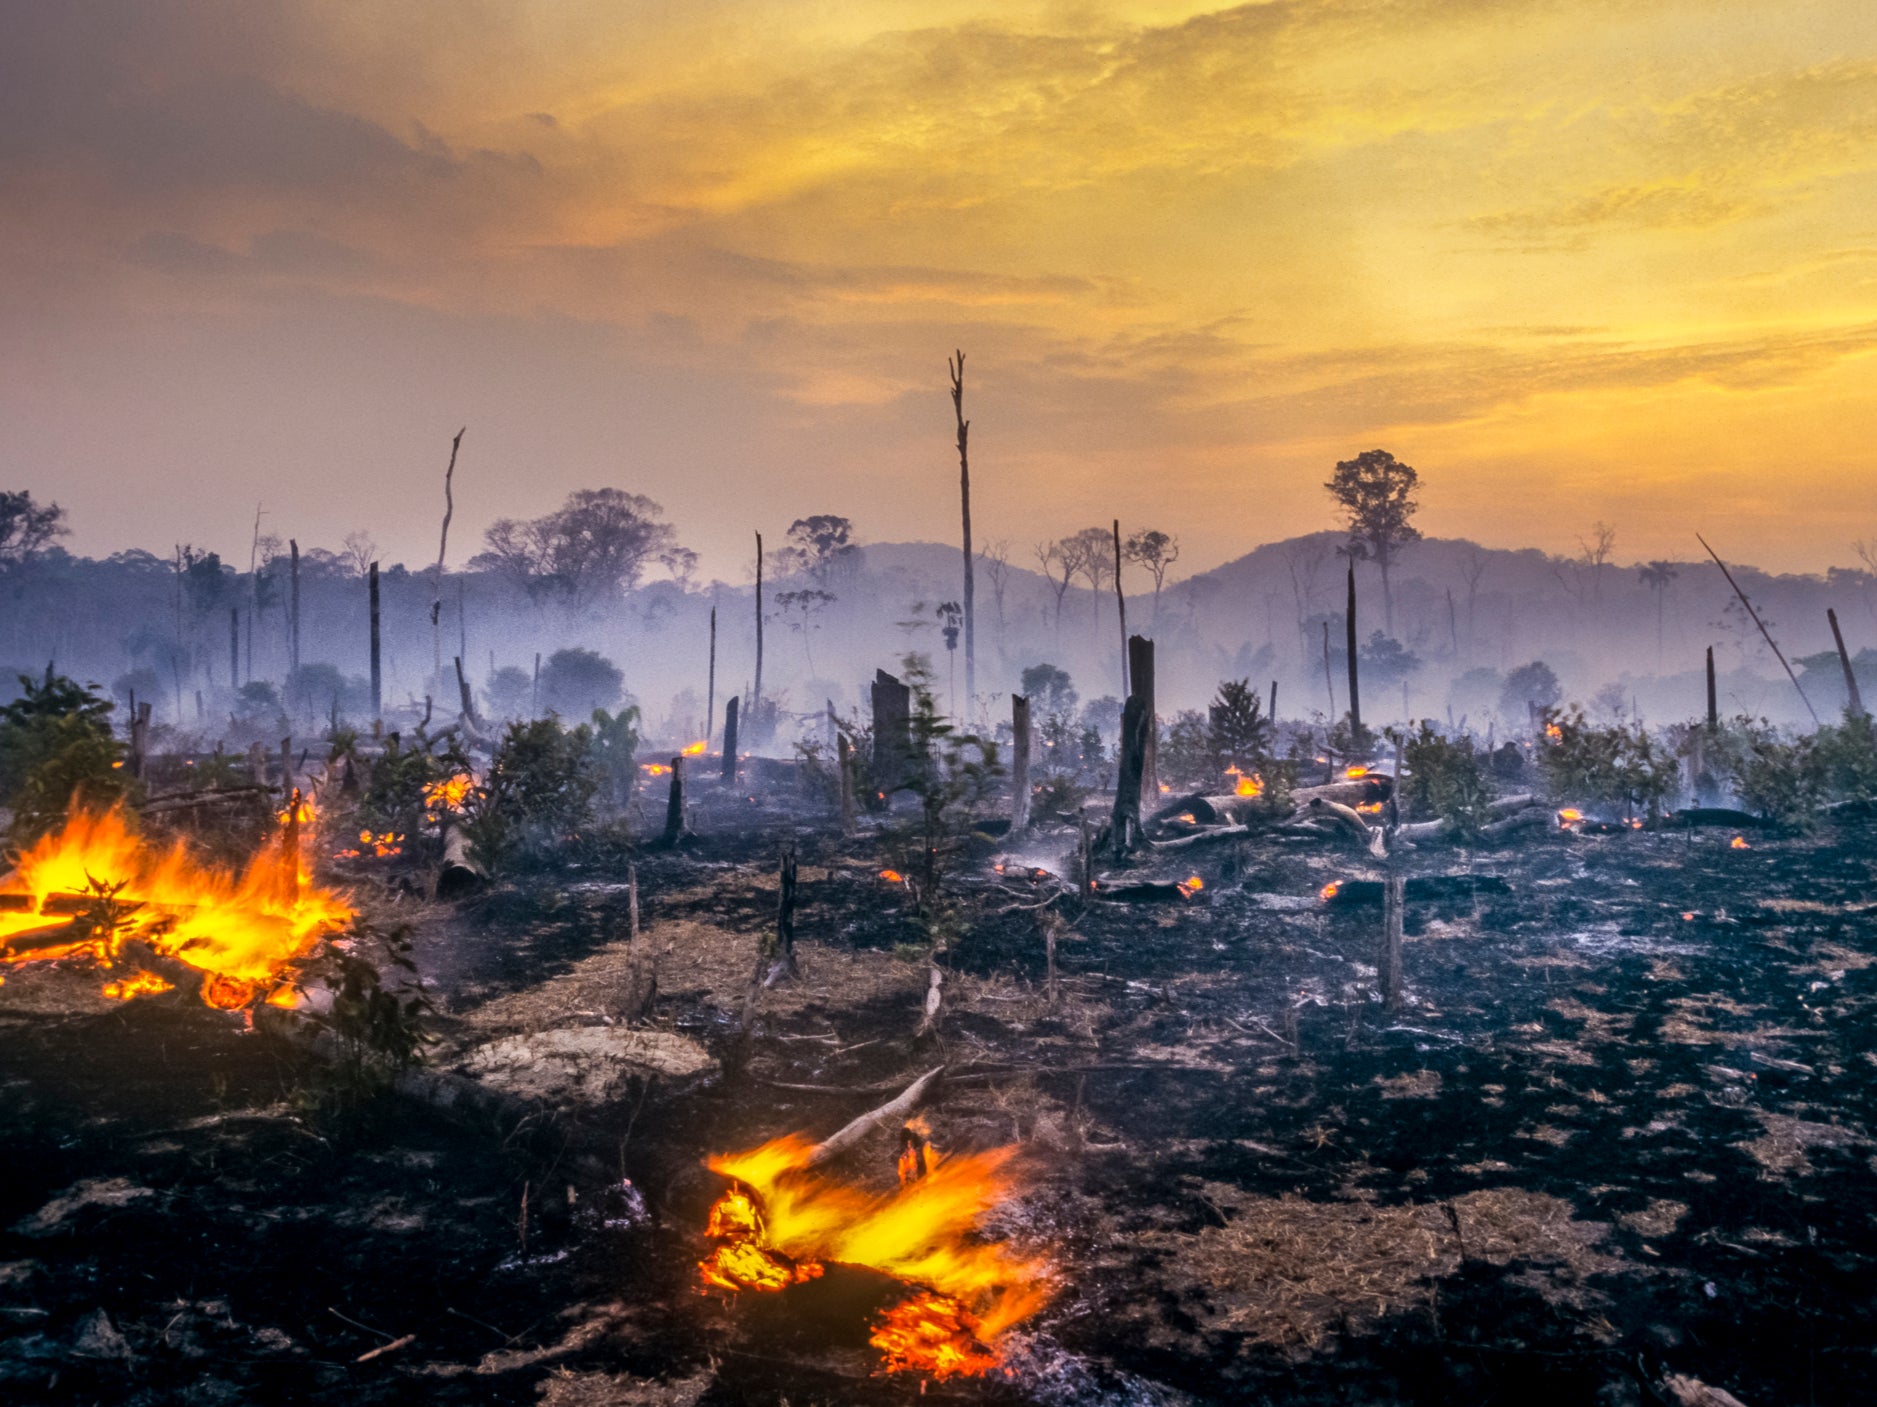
[1533,819]
[1145,892]
[1717,816]
[852,1132]
[459,875]
[1201,837]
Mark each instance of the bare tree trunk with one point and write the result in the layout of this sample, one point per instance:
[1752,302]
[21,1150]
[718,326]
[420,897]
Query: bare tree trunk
[1844,659]
[377,672]
[1140,652]
[443,545]
[468,700]
[1329,677]
[957,369]
[1394,894]
[234,648]
[534,692]
[1714,712]
[1019,765]
[674,804]
[756,690]
[1121,609]
[892,731]
[293,624]
[1349,632]
[844,760]
[1126,825]
[710,689]
[730,711]
[1271,713]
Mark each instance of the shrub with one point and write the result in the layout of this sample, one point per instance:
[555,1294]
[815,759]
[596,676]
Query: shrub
[1603,766]
[1238,730]
[56,750]
[539,788]
[1446,779]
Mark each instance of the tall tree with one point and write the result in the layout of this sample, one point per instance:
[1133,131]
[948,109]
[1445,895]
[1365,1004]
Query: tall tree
[1156,551]
[822,547]
[957,368]
[595,545]
[27,528]
[1376,492]
[1657,576]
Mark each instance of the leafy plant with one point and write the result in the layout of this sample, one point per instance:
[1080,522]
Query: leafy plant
[1446,779]
[57,750]
[539,787]
[615,753]
[1613,765]
[1237,728]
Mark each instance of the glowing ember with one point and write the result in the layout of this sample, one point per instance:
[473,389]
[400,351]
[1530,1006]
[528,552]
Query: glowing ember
[1569,814]
[1554,732]
[1354,772]
[84,891]
[1329,890]
[653,769]
[450,793]
[695,750]
[1739,842]
[932,1335]
[892,876]
[1250,786]
[138,984]
[1192,884]
[1369,808]
[1187,816]
[380,845]
[782,1220]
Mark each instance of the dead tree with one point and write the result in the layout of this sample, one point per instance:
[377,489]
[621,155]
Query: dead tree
[377,672]
[467,699]
[1856,700]
[1714,711]
[1121,609]
[293,607]
[443,547]
[1271,712]
[1126,825]
[674,804]
[957,368]
[730,711]
[234,647]
[1329,678]
[139,737]
[1394,894]
[844,760]
[775,954]
[756,690]
[1765,634]
[892,731]
[1140,653]
[1019,764]
[710,688]
[1349,635]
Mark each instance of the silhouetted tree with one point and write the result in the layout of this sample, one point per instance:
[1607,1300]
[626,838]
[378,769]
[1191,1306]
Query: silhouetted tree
[1238,731]
[574,682]
[1156,551]
[27,528]
[1529,686]
[1657,576]
[595,545]
[1376,492]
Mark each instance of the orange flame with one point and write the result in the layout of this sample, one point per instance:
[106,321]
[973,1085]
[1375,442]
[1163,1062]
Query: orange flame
[1192,884]
[695,750]
[138,984]
[1569,814]
[1250,786]
[1352,773]
[241,930]
[1739,842]
[450,793]
[892,876]
[653,769]
[1329,890]
[1369,808]
[782,1220]
[1554,732]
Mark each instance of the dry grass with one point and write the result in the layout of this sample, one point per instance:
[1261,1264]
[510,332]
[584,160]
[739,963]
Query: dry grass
[1287,1272]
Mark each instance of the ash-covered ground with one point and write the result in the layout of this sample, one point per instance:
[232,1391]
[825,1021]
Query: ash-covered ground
[1620,1129]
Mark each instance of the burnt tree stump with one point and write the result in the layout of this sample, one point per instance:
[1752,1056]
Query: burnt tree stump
[892,732]
[674,804]
[1019,764]
[1126,825]
[730,711]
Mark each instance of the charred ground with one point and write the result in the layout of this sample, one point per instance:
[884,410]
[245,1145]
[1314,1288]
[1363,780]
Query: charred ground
[1621,1126]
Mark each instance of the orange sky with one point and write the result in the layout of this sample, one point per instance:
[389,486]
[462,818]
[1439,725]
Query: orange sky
[1574,259]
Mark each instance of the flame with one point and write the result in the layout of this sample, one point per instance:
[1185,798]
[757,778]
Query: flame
[917,1156]
[1739,842]
[1250,786]
[1329,890]
[240,930]
[654,769]
[781,1220]
[450,793]
[1369,808]
[1352,773]
[1554,732]
[892,876]
[1569,814]
[695,750]
[1187,816]
[138,984]
[1192,884]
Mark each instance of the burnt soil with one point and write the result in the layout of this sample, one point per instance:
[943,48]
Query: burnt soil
[1620,1126]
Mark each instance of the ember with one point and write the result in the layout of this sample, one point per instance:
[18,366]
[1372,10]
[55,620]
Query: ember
[450,793]
[1739,842]
[892,876]
[694,750]
[85,891]
[782,1220]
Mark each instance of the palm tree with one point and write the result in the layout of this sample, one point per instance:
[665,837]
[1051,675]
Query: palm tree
[1657,576]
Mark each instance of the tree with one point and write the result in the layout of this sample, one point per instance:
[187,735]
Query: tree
[1048,689]
[1596,554]
[1053,557]
[56,749]
[1530,686]
[801,610]
[574,682]
[1657,576]
[359,552]
[1155,551]
[1092,551]
[1239,731]
[1385,660]
[995,555]
[822,547]
[595,545]
[1376,492]
[27,528]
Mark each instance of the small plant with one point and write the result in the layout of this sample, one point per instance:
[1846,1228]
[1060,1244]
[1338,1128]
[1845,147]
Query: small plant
[1615,765]
[1446,779]
[615,753]
[56,751]
[539,788]
[1237,728]
[378,1027]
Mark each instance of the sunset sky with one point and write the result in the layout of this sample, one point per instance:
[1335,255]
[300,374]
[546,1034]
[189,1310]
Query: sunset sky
[1573,259]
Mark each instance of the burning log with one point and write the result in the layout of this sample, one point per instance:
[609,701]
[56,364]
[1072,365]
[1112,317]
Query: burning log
[895,1109]
[1150,892]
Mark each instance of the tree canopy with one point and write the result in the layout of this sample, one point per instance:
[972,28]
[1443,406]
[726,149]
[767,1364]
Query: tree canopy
[596,545]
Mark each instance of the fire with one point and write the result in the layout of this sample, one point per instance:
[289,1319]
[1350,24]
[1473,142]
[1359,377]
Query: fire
[1353,773]
[654,769]
[1569,814]
[1369,808]
[1250,786]
[695,750]
[379,844]
[1329,890]
[450,793]
[782,1220]
[892,876]
[1192,884]
[84,891]
[138,984]
[1187,816]
[1554,732]
[1739,842]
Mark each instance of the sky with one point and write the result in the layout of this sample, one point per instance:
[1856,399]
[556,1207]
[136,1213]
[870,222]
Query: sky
[1577,261]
